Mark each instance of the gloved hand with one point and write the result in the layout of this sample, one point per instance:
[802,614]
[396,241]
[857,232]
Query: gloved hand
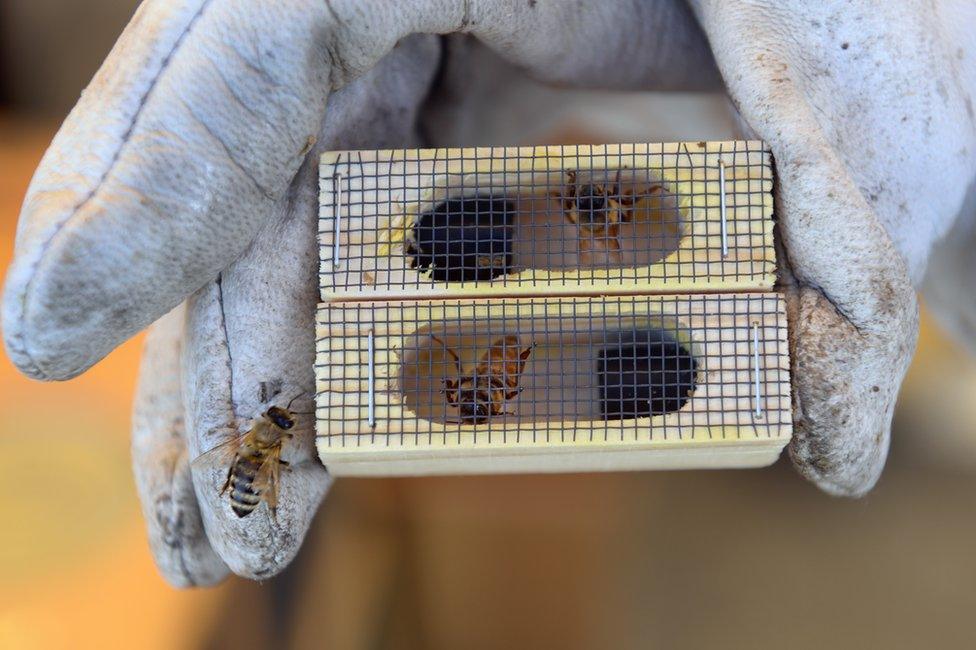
[188,170]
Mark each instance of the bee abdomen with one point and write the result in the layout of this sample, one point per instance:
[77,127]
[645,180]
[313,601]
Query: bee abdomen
[242,510]
[244,498]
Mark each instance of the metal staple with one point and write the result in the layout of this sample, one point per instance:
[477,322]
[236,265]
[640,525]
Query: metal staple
[371,379]
[337,180]
[755,364]
[721,182]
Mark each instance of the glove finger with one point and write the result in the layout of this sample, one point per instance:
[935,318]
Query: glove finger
[160,462]
[820,84]
[186,140]
[253,330]
[193,129]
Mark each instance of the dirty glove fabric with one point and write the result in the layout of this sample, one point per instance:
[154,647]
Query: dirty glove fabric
[868,110]
[188,172]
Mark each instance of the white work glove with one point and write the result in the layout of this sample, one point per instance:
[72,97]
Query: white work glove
[188,170]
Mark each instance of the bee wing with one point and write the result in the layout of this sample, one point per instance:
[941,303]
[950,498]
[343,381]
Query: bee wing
[451,352]
[505,359]
[266,479]
[222,454]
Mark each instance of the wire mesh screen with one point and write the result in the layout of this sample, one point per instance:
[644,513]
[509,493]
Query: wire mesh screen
[560,219]
[523,372]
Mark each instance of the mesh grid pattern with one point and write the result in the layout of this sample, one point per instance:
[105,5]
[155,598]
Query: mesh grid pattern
[543,220]
[520,372]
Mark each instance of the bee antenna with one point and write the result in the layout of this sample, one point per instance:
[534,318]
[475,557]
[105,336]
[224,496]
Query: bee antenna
[451,352]
[288,408]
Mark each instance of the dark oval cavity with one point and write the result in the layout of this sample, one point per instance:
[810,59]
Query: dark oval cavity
[468,239]
[644,373]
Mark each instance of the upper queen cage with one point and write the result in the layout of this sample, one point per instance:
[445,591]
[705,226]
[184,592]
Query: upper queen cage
[576,220]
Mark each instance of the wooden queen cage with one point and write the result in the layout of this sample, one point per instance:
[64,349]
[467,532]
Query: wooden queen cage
[549,309]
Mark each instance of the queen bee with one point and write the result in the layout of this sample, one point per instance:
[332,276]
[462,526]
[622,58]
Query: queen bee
[483,394]
[597,210]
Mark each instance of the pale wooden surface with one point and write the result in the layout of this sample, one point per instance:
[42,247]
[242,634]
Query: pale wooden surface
[380,194]
[716,427]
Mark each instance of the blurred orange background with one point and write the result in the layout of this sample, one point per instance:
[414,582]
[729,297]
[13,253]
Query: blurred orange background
[741,559]
[73,556]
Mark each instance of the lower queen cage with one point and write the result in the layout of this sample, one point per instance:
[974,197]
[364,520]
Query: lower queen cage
[580,219]
[558,384]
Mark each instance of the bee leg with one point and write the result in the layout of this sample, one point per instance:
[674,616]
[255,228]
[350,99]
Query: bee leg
[615,188]
[584,248]
[568,212]
[613,243]
[571,176]
[449,388]
[230,475]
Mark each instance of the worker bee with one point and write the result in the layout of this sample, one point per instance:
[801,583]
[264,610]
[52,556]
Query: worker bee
[482,395]
[254,461]
[598,210]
